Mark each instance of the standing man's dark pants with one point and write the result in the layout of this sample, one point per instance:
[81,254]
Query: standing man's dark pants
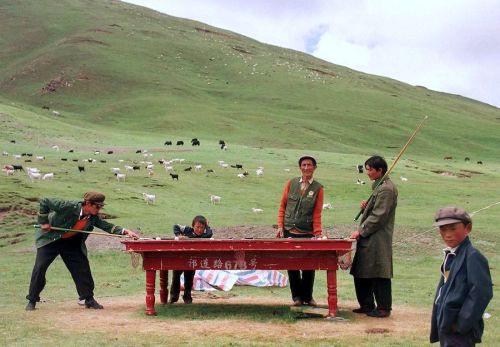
[175,289]
[369,290]
[75,260]
[456,340]
[301,281]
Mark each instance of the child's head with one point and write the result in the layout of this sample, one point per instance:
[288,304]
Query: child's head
[199,224]
[454,225]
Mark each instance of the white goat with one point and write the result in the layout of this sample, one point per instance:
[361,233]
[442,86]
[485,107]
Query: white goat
[120,177]
[240,175]
[34,175]
[327,206]
[40,157]
[129,168]
[197,167]
[214,199]
[404,179]
[55,147]
[48,176]
[259,172]
[257,210]
[149,198]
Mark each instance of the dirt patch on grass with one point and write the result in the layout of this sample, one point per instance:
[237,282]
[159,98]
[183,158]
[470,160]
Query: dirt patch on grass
[128,313]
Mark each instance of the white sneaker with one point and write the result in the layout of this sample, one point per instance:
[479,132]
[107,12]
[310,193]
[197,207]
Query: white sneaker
[81,302]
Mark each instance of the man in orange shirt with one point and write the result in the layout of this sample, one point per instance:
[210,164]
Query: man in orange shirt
[299,216]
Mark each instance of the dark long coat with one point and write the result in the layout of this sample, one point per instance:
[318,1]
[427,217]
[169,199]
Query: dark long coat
[373,258]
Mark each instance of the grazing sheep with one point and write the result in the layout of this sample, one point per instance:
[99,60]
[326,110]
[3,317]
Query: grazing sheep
[359,181]
[327,206]
[110,152]
[259,172]
[136,167]
[467,159]
[81,168]
[5,154]
[257,210]
[480,162]
[214,199]
[210,171]
[150,167]
[97,152]
[55,147]
[237,166]
[174,176]
[71,151]
[48,176]
[129,168]
[168,143]
[188,169]
[359,168]
[404,179]
[34,175]
[241,175]
[149,198]
[197,167]
[64,159]
[138,151]
[40,157]
[168,168]
[180,143]
[224,165]
[449,157]
[17,168]
[120,177]
[33,169]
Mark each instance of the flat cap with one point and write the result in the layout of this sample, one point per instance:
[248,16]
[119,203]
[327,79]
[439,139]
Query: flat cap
[94,197]
[451,215]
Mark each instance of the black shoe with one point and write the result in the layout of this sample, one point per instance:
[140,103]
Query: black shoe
[187,300]
[379,313]
[91,303]
[363,309]
[173,299]
[297,301]
[31,306]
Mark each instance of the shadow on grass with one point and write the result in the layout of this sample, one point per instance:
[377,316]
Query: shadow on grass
[260,313]
[264,313]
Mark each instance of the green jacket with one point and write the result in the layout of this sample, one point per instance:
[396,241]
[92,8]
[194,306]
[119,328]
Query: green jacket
[373,256]
[64,214]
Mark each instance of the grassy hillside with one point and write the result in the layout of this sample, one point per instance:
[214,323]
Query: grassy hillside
[131,69]
[124,78]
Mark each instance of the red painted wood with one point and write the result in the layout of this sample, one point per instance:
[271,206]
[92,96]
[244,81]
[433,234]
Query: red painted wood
[261,254]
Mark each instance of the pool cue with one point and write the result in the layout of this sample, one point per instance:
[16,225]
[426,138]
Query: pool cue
[394,163]
[81,231]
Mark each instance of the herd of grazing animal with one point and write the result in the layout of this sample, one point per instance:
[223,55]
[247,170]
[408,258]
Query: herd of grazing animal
[35,175]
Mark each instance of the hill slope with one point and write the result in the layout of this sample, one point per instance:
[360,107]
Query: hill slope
[121,67]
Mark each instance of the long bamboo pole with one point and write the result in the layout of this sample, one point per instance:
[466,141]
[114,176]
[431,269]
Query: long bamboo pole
[395,161]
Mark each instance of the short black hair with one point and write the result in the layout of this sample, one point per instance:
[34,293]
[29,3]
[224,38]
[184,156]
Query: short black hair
[377,162]
[199,219]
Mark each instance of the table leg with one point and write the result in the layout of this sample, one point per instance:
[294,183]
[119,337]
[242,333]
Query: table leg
[163,286]
[150,292]
[331,280]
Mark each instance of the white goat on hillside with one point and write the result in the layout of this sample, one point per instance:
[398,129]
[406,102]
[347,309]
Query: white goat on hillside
[257,210]
[48,176]
[214,199]
[149,198]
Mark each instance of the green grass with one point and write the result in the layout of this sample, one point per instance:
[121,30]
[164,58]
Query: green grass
[135,78]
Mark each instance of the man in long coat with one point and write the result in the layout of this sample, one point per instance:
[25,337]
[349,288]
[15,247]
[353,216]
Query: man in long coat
[372,265]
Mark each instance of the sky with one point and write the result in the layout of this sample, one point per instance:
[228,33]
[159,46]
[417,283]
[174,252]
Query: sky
[451,46]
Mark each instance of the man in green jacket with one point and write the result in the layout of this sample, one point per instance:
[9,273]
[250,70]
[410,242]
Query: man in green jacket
[372,265]
[76,215]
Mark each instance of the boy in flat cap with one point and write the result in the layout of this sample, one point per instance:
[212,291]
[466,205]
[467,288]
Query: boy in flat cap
[299,216]
[68,214]
[465,287]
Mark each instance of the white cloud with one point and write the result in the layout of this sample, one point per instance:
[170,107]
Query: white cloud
[450,46]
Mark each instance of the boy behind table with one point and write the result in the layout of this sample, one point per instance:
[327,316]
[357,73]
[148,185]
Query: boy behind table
[465,287]
[199,229]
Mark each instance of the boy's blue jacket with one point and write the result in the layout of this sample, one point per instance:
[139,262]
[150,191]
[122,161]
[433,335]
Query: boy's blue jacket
[461,301]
